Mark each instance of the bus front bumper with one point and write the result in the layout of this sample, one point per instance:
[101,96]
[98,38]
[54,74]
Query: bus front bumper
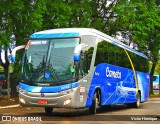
[64,99]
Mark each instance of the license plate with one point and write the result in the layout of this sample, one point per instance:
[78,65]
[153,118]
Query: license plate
[42,101]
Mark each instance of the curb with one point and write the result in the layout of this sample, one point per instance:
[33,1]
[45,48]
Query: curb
[153,99]
[10,106]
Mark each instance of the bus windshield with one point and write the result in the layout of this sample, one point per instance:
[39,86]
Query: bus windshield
[49,62]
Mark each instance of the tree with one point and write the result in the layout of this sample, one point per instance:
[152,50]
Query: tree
[5,63]
[56,15]
[157,68]
[141,19]
[103,17]
[96,14]
[19,18]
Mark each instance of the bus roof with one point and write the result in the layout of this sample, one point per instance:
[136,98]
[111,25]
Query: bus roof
[77,32]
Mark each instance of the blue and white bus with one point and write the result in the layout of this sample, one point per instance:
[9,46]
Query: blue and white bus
[81,67]
[156,82]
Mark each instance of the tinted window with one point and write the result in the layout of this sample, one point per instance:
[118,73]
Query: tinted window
[111,54]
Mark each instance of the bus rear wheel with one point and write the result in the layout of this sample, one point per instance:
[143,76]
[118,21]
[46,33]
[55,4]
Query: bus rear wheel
[95,104]
[138,100]
[135,104]
[48,110]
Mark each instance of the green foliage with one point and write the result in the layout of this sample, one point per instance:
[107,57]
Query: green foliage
[21,18]
[1,69]
[81,13]
[4,40]
[56,15]
[142,19]
[157,68]
[138,17]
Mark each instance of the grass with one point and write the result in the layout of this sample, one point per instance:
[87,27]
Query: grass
[154,95]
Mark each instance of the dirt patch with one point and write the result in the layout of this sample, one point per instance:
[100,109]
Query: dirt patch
[4,101]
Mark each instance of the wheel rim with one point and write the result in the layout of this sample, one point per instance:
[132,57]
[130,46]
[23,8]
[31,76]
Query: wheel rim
[97,102]
[138,101]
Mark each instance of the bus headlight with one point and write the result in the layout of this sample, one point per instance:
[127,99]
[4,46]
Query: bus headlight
[22,100]
[69,91]
[67,101]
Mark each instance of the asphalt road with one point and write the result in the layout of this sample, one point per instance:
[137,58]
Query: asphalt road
[148,112]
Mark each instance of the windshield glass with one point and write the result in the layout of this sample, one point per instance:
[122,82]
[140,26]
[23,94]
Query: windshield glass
[49,62]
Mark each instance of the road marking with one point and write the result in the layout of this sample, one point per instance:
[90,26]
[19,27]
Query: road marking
[10,106]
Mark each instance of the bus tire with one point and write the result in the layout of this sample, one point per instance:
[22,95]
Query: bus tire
[138,101]
[130,105]
[93,107]
[48,110]
[135,104]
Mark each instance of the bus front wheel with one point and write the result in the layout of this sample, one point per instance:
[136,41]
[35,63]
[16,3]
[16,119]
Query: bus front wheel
[48,110]
[95,103]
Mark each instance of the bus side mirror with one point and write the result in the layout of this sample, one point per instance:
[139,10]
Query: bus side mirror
[13,59]
[78,50]
[13,55]
[76,57]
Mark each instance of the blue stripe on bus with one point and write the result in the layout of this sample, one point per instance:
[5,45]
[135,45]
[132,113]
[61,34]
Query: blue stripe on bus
[47,89]
[54,35]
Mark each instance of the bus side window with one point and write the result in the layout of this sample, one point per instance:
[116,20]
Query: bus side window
[85,61]
[102,54]
[89,57]
[83,64]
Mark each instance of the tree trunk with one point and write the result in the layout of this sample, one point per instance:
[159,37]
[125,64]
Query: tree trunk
[6,71]
[13,87]
[151,77]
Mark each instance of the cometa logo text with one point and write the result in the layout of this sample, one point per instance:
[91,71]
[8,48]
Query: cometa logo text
[112,73]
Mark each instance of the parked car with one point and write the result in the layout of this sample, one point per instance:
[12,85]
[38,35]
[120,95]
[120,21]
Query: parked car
[3,83]
[2,79]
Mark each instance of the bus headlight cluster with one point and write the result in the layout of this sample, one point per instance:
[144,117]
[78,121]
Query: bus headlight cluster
[69,91]
[67,101]
[22,100]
